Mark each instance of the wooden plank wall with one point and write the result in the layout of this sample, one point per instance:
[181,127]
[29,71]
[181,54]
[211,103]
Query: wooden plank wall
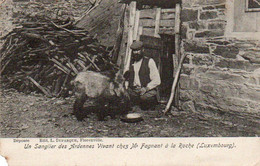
[167,22]
[148,21]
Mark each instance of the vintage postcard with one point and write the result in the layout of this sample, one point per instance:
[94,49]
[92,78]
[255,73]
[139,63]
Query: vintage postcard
[122,82]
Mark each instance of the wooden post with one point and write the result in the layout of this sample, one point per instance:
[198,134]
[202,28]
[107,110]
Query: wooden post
[140,32]
[157,22]
[130,36]
[177,48]
[156,34]
[176,58]
[136,26]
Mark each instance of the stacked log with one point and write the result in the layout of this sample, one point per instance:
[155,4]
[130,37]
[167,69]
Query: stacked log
[44,55]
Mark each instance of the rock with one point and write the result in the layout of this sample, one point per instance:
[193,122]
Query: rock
[208,15]
[198,25]
[196,47]
[202,60]
[183,32]
[186,95]
[207,88]
[188,106]
[217,25]
[187,82]
[187,69]
[208,8]
[219,42]
[206,33]
[227,51]
[223,6]
[233,64]
[189,15]
[224,75]
[253,57]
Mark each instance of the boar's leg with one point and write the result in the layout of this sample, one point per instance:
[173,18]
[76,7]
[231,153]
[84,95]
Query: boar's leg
[103,108]
[119,107]
[102,111]
[125,107]
[78,107]
[113,110]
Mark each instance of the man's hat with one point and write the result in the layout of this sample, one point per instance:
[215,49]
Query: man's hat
[137,45]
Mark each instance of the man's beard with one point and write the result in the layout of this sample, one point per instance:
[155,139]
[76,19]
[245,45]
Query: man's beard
[137,57]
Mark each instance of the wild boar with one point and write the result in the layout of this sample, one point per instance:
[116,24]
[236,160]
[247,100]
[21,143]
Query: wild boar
[108,92]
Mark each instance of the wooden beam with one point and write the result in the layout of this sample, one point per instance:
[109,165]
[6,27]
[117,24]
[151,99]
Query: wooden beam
[177,18]
[136,26]
[147,23]
[130,36]
[172,10]
[140,32]
[148,31]
[147,14]
[167,23]
[169,31]
[157,22]
[167,16]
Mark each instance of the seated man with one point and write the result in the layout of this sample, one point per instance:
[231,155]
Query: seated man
[143,78]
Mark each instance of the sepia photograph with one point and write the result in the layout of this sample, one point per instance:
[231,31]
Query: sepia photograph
[105,68]
[129,69]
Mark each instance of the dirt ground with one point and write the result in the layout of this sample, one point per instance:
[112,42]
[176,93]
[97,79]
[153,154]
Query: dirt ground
[35,115]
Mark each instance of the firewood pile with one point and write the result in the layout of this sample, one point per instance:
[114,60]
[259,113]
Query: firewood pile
[44,55]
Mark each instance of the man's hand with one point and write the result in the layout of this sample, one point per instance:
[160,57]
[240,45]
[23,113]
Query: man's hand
[143,90]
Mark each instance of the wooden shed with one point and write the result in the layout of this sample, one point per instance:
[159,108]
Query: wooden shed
[157,24]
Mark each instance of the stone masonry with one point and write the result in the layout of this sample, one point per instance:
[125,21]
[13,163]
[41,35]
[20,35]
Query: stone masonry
[220,74]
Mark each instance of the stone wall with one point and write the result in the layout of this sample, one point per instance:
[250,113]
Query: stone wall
[221,74]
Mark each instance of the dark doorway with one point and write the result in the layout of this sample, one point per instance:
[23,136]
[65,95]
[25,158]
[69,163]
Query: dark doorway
[166,69]
[161,50]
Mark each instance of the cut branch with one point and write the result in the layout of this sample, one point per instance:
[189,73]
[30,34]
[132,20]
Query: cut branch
[39,86]
[92,62]
[60,27]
